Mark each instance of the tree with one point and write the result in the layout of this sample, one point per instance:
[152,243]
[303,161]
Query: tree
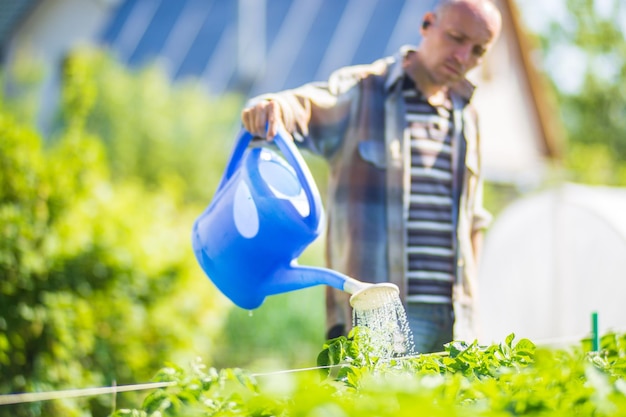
[98,283]
[587,47]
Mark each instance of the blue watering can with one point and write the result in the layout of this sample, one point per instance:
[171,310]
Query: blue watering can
[265,212]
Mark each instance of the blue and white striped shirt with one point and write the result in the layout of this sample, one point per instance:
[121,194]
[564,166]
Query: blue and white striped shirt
[429,248]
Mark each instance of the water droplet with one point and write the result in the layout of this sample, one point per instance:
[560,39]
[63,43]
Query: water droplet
[249,313]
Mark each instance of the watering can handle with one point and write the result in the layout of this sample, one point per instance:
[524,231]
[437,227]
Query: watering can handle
[293,157]
[241,144]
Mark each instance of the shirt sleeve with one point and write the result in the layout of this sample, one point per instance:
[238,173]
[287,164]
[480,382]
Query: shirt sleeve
[481,217]
[317,114]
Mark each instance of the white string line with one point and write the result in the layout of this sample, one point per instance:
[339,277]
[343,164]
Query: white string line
[288,371]
[72,393]
[7,399]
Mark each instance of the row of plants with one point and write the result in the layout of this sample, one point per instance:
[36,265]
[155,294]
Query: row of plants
[512,378]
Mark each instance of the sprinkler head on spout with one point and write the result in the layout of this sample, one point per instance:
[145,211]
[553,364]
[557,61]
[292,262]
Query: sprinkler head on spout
[374,296]
[366,296]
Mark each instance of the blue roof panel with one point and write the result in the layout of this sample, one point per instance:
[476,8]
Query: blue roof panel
[221,15]
[158,30]
[215,19]
[376,36]
[275,15]
[314,48]
[117,21]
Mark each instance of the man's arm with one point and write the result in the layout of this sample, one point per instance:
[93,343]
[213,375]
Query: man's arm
[316,111]
[314,107]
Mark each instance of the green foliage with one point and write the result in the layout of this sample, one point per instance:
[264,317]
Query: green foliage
[593,115]
[159,133]
[355,356]
[497,196]
[22,82]
[99,284]
[595,163]
[92,273]
[505,379]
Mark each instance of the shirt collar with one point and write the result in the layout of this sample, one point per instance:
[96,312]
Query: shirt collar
[463,88]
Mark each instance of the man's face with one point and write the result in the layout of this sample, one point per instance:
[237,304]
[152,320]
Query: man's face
[457,39]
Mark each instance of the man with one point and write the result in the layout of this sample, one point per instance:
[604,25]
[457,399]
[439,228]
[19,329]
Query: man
[405,199]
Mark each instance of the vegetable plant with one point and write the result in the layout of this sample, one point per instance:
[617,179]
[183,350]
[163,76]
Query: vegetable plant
[511,378]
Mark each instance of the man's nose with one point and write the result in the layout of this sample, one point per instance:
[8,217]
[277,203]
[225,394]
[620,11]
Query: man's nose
[463,54]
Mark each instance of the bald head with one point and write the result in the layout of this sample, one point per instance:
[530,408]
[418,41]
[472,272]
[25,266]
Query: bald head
[455,38]
[484,10]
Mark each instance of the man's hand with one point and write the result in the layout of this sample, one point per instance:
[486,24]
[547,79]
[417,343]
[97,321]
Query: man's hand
[264,114]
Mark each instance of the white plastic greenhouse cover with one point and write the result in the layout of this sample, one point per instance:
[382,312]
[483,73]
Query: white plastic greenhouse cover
[552,259]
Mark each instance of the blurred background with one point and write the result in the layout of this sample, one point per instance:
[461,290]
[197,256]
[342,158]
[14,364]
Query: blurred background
[116,120]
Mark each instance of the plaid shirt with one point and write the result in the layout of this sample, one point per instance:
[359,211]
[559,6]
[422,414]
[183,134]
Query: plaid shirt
[356,121]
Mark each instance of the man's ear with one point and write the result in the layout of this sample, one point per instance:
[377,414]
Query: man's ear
[427,21]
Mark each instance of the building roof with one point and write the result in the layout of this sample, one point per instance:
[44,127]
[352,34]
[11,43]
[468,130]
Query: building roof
[282,45]
[259,46]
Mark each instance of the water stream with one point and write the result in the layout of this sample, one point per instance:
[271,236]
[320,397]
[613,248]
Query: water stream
[390,334]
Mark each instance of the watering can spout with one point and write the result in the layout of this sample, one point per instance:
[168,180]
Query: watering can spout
[295,277]
[364,295]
